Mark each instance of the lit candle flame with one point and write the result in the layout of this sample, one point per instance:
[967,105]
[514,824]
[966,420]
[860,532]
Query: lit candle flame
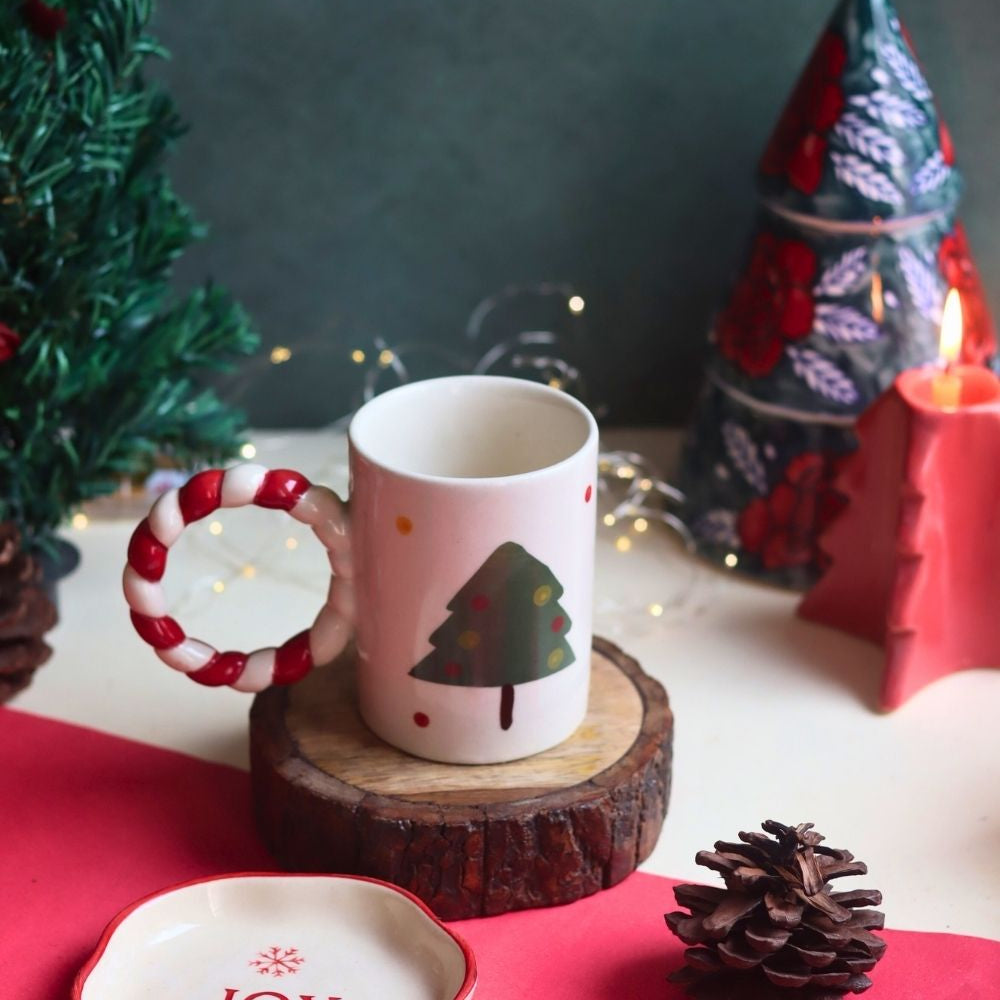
[950,345]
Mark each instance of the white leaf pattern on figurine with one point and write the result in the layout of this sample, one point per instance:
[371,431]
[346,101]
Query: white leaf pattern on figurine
[889,108]
[869,140]
[865,178]
[844,324]
[744,455]
[931,174]
[844,274]
[718,526]
[922,282]
[905,70]
[822,375]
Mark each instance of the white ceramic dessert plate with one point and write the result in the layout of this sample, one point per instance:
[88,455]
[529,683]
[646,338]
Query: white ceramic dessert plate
[279,937]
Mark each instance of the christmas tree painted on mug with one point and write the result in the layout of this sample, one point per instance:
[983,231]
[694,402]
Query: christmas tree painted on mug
[506,627]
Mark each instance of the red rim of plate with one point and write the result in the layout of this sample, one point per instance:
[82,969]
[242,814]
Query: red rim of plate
[468,983]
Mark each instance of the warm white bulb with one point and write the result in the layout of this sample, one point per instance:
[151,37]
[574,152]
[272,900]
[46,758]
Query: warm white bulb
[215,527]
[731,559]
[248,450]
[218,586]
[80,521]
[280,354]
[358,356]
[623,543]
[576,304]
[386,358]
[291,543]
[656,610]
[609,519]
[640,524]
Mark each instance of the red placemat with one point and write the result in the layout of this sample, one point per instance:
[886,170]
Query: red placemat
[90,822]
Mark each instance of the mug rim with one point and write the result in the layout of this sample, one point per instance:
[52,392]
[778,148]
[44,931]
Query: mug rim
[537,388]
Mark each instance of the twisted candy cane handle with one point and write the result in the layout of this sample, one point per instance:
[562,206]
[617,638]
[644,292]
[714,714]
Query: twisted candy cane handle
[277,489]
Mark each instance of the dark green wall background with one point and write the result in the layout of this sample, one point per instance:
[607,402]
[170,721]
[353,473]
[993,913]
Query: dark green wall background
[377,168]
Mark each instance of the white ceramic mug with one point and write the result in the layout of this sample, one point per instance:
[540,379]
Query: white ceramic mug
[464,570]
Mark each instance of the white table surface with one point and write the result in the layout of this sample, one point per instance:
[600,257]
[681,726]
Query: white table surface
[774,715]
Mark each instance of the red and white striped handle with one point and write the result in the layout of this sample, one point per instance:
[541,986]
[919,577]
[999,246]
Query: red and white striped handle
[240,486]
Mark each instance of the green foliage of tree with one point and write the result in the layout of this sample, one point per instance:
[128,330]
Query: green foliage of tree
[107,370]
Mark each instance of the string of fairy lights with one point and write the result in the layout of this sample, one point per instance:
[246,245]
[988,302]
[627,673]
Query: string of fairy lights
[632,494]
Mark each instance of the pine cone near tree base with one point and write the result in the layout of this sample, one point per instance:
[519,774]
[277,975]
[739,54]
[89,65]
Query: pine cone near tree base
[777,927]
[26,614]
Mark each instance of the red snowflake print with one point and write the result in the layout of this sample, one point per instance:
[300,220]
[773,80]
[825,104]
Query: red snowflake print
[782,528]
[772,303]
[955,264]
[798,145]
[277,962]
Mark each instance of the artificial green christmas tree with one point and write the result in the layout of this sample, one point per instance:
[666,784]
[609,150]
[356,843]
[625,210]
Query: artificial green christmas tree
[98,361]
[506,627]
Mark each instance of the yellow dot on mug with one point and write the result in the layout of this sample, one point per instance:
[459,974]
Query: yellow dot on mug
[404,525]
[542,595]
[469,639]
[555,658]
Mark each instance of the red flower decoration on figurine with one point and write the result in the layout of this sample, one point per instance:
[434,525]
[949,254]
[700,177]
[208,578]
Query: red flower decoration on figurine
[43,20]
[783,527]
[798,144]
[10,341]
[770,304]
[944,140]
[955,263]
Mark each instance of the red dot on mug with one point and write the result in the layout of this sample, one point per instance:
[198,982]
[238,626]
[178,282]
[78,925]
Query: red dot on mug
[588,494]
[421,720]
[557,623]
[480,602]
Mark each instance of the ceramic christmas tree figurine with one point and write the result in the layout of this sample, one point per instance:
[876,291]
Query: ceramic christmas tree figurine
[506,627]
[855,246]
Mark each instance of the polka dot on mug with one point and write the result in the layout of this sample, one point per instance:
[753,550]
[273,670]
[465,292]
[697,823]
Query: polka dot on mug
[469,639]
[588,494]
[404,525]
[421,719]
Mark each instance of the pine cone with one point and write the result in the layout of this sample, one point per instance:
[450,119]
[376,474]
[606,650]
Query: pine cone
[777,925]
[26,614]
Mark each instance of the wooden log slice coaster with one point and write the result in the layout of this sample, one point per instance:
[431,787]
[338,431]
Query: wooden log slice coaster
[470,840]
